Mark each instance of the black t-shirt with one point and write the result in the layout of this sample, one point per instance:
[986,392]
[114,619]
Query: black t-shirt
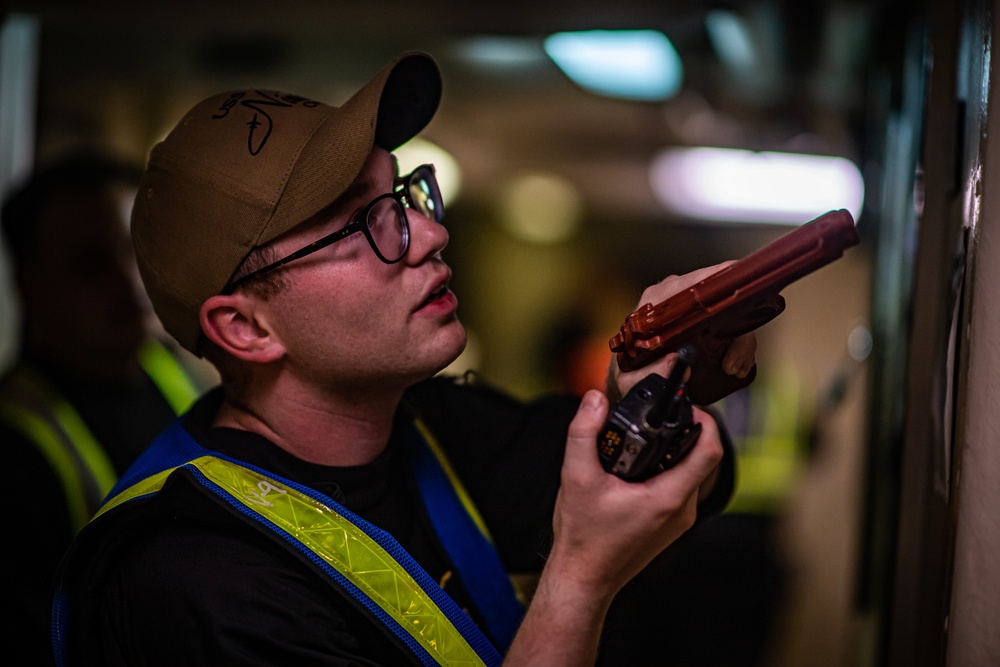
[189,584]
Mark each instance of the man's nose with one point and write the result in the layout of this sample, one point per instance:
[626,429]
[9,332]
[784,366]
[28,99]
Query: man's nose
[427,237]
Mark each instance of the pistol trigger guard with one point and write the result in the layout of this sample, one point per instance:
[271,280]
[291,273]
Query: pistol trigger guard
[708,385]
[766,309]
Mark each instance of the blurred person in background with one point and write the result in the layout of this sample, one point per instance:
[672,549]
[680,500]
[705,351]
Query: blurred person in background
[88,386]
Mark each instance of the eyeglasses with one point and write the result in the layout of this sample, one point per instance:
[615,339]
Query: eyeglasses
[383,222]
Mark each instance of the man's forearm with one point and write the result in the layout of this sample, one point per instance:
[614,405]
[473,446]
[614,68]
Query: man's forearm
[563,625]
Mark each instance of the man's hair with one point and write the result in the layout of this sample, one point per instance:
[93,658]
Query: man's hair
[80,172]
[265,286]
[232,372]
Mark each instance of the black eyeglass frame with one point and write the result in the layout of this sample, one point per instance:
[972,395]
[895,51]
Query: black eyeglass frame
[403,197]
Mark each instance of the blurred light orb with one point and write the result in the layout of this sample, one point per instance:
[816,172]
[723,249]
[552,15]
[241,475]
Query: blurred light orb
[418,151]
[859,343]
[541,208]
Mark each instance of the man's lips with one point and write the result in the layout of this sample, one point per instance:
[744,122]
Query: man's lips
[433,296]
[440,293]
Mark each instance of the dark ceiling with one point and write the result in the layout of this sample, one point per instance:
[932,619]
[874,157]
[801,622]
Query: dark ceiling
[124,72]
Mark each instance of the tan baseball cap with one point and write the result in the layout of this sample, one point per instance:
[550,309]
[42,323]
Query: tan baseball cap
[243,167]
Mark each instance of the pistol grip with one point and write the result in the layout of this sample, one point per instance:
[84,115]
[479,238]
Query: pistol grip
[708,382]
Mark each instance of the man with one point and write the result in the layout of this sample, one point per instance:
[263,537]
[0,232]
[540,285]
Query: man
[88,387]
[333,502]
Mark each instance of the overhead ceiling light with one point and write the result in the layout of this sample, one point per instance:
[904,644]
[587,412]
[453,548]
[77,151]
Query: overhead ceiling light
[631,64]
[500,52]
[747,45]
[731,39]
[747,186]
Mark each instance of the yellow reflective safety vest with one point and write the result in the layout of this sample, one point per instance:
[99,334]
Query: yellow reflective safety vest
[363,560]
[768,423]
[32,406]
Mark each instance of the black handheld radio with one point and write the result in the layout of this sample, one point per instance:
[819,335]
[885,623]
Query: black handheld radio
[651,429]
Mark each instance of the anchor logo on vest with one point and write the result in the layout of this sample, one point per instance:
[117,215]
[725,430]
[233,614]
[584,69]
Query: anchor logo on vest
[265,487]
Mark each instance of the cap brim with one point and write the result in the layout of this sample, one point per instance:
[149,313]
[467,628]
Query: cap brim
[409,100]
[392,108]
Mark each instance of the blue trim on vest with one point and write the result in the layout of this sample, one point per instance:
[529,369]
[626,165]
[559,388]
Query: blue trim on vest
[472,554]
[169,450]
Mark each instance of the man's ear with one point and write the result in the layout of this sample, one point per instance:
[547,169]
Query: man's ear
[235,323]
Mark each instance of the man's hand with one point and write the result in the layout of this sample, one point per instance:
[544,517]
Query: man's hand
[738,359]
[605,531]
[612,528]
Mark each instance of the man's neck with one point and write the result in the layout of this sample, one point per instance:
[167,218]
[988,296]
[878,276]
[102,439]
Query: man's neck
[326,429]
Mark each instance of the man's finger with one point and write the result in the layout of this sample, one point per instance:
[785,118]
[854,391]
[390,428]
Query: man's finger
[581,438]
[703,458]
[740,355]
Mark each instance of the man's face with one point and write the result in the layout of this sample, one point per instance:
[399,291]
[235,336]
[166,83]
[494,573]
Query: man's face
[79,290]
[352,322]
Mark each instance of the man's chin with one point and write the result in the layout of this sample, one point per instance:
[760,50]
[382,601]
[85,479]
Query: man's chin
[464,356]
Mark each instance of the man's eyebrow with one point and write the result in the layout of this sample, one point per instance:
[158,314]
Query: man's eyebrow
[357,187]
[364,183]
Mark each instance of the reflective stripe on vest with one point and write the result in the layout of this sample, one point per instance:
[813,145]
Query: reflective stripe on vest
[168,375]
[33,407]
[362,559]
[769,439]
